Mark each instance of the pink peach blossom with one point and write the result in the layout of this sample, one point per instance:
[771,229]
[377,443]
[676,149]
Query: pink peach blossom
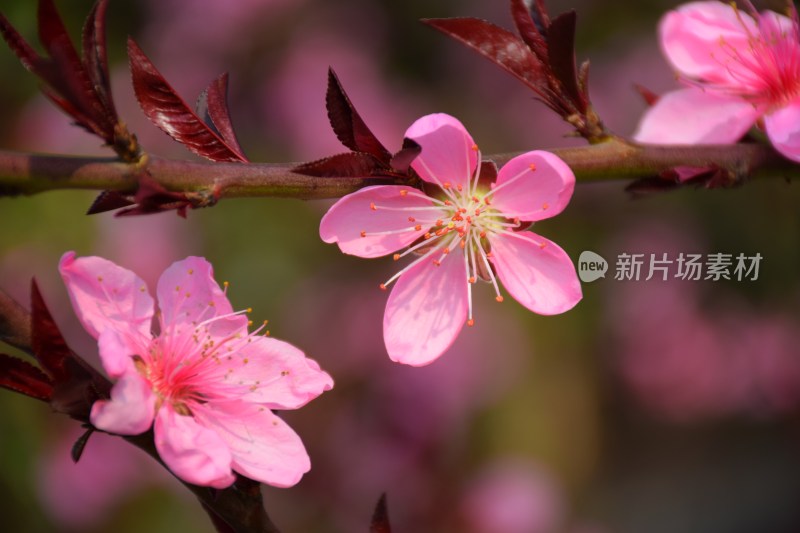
[204,383]
[738,69]
[465,230]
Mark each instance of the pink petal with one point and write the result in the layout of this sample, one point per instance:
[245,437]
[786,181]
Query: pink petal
[426,310]
[274,373]
[692,116]
[263,446]
[352,214]
[692,38]
[543,279]
[130,410]
[116,351]
[533,186]
[194,453]
[448,152]
[188,295]
[783,130]
[105,295]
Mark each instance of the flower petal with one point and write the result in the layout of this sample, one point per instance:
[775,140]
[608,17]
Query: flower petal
[130,410]
[448,152]
[393,205]
[536,272]
[105,295]
[116,353]
[274,373]
[262,445]
[783,130]
[692,116]
[194,453]
[426,310]
[701,38]
[533,186]
[188,295]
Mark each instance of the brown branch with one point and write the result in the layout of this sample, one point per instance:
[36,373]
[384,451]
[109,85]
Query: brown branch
[616,159]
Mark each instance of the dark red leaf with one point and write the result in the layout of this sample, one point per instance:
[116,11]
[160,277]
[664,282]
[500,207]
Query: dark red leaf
[401,161]
[647,95]
[347,165]
[162,105]
[152,197]
[95,56]
[561,57]
[108,201]
[499,46]
[80,444]
[76,384]
[68,75]
[380,518]
[29,58]
[527,28]
[540,17]
[583,78]
[351,130]
[20,376]
[48,344]
[213,107]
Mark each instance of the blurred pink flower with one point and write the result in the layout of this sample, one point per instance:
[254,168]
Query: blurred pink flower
[294,102]
[459,232]
[83,495]
[208,384]
[393,427]
[738,68]
[684,361]
[513,496]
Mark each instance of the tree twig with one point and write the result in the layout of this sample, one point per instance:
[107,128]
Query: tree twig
[617,159]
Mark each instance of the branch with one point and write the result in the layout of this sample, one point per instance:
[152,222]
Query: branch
[616,159]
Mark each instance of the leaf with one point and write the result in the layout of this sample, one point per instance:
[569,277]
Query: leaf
[499,46]
[380,518]
[108,201]
[67,75]
[22,377]
[76,384]
[350,129]
[152,197]
[213,107]
[346,165]
[27,56]
[70,82]
[162,105]
[95,56]
[561,57]
[540,17]
[649,97]
[528,29]
[77,449]
[47,343]
[401,161]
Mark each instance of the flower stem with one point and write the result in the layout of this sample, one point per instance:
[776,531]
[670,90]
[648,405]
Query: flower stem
[615,159]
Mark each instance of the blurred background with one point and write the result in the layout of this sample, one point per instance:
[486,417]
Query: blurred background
[658,406]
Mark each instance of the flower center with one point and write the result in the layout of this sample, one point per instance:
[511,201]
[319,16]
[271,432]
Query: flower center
[766,71]
[182,364]
[466,220]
